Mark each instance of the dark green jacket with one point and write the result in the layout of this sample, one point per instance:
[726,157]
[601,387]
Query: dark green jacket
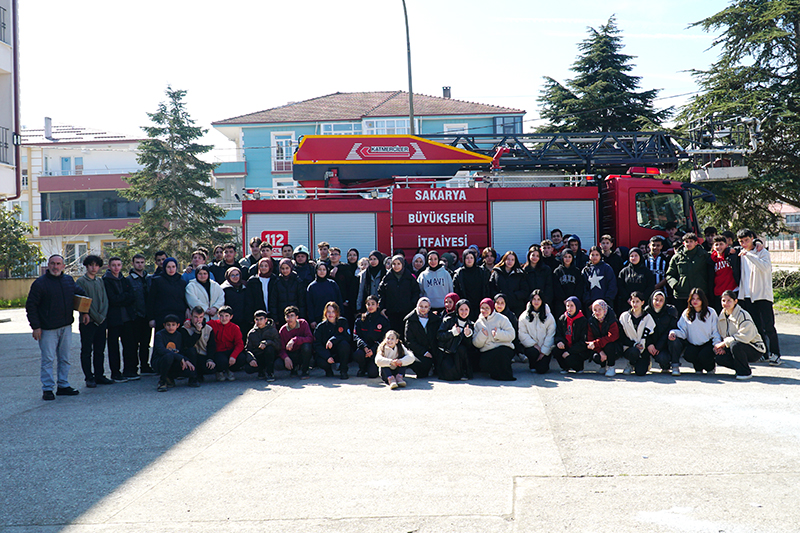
[688,270]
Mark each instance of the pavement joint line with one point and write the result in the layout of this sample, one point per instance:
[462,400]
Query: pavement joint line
[190,459]
[655,475]
[551,431]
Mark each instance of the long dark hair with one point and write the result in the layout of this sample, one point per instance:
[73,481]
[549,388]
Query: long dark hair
[528,265]
[502,262]
[531,313]
[368,298]
[703,307]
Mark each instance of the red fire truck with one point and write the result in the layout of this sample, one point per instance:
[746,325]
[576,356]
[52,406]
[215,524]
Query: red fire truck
[448,192]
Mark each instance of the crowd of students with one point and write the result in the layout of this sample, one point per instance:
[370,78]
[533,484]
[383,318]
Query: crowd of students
[448,315]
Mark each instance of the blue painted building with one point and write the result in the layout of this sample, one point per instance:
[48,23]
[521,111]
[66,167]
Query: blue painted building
[266,140]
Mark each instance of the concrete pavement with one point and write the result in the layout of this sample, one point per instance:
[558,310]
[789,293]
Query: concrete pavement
[544,453]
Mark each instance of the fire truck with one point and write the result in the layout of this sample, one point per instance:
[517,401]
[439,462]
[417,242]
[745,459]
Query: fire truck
[447,192]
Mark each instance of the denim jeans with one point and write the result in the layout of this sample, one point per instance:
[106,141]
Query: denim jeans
[55,343]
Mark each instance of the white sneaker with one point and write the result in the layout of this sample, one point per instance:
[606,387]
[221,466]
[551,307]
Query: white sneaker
[562,372]
[744,378]
[229,376]
[628,370]
[676,370]
[611,372]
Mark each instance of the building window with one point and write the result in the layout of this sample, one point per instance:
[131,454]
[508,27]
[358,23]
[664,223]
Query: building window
[3,19]
[339,128]
[389,126]
[282,152]
[75,253]
[78,166]
[286,189]
[108,248]
[507,125]
[24,164]
[66,166]
[5,153]
[24,206]
[88,205]
[793,219]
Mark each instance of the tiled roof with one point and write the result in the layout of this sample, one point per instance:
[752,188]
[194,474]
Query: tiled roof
[356,106]
[71,134]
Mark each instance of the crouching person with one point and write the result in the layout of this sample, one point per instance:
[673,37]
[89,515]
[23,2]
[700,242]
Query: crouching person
[167,358]
[296,342]
[603,335]
[263,344]
[494,337]
[741,342]
[332,341]
[230,354]
[637,327]
[198,343]
[570,349]
[393,358]
[696,334]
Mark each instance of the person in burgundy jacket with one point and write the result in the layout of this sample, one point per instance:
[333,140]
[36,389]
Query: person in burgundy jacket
[296,342]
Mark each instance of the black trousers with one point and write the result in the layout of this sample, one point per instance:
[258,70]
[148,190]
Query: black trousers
[454,366]
[169,366]
[340,353]
[366,364]
[387,372]
[265,359]
[640,361]
[122,333]
[497,362]
[573,361]
[701,357]
[301,357]
[422,366]
[93,347]
[612,350]
[396,322]
[541,366]
[141,340]
[764,317]
[737,356]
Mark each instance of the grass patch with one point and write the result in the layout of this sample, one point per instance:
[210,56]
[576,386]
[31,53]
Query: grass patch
[787,301]
[13,304]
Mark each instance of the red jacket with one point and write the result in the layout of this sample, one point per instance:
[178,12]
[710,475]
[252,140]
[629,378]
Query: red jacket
[228,337]
[605,334]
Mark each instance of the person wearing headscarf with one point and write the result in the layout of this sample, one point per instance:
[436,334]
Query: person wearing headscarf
[603,337]
[259,288]
[494,338]
[635,276]
[637,326]
[398,293]
[455,341]
[537,331]
[470,282]
[202,291]
[371,328]
[321,291]
[287,290]
[421,327]
[371,278]
[167,294]
[568,281]
[435,282]
[570,351]
[417,264]
[507,277]
[538,275]
[234,290]
[665,318]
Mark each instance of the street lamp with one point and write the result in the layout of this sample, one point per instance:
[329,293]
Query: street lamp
[410,90]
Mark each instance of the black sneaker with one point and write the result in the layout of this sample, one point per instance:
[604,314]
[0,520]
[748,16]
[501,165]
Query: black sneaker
[304,374]
[119,379]
[90,384]
[132,377]
[102,380]
[774,359]
[344,375]
[193,383]
[148,371]
[329,373]
[67,391]
[48,395]
[270,376]
[162,386]
[262,375]
[170,382]
[361,374]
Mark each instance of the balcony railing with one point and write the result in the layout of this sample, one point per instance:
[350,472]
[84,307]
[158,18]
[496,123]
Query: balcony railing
[89,172]
[3,32]
[281,166]
[4,151]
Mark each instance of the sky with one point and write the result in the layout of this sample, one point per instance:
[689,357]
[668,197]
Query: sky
[104,65]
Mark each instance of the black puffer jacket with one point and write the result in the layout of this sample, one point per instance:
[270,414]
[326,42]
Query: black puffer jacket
[50,301]
[254,296]
[167,296]
[235,298]
[540,278]
[286,291]
[513,284]
[420,339]
[634,278]
[398,295]
[140,286]
[447,342]
[666,320]
[472,285]
[370,331]
[121,299]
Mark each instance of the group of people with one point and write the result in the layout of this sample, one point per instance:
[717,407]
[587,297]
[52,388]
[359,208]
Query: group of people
[449,315]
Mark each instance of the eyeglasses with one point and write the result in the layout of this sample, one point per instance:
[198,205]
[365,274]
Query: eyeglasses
[335,253]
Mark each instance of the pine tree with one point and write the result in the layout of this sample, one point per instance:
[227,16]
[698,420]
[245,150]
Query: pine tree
[176,184]
[756,75]
[603,95]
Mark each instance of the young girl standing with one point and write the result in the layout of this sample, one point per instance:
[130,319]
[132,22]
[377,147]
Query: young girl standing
[393,358]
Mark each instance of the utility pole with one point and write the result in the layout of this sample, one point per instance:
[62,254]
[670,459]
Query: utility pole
[410,89]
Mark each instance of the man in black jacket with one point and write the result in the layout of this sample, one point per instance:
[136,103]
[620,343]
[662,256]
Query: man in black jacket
[141,327]
[120,323]
[50,314]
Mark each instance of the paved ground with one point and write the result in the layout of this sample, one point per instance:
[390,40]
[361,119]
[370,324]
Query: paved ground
[545,453]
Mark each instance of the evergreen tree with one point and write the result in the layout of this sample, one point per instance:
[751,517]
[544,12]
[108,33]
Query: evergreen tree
[176,183]
[16,252]
[756,75]
[603,95]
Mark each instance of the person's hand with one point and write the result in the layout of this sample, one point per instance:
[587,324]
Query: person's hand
[467,331]
[287,363]
[211,311]
[313,325]
[538,348]
[653,350]
[262,344]
[565,355]
[541,356]
[290,345]
[231,361]
[368,352]
[560,346]
[254,363]
[331,360]
[186,364]
[152,323]
[333,271]
[590,345]
[328,345]
[759,246]
[494,332]
[37,334]
[85,319]
[603,357]
[398,362]
[189,268]
[211,365]
[672,336]
[456,331]
[640,346]
[428,355]
[187,324]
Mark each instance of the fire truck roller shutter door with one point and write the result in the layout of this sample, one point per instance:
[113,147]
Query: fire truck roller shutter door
[515,226]
[573,217]
[347,230]
[297,224]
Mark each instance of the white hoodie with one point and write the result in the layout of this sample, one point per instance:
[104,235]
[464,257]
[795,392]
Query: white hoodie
[698,332]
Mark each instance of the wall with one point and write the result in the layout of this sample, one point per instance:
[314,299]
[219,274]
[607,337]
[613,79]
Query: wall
[11,289]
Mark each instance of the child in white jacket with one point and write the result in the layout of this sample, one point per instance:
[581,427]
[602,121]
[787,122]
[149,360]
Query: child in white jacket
[392,358]
[637,326]
[537,331]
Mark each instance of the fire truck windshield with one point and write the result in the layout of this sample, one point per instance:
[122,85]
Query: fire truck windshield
[657,210]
